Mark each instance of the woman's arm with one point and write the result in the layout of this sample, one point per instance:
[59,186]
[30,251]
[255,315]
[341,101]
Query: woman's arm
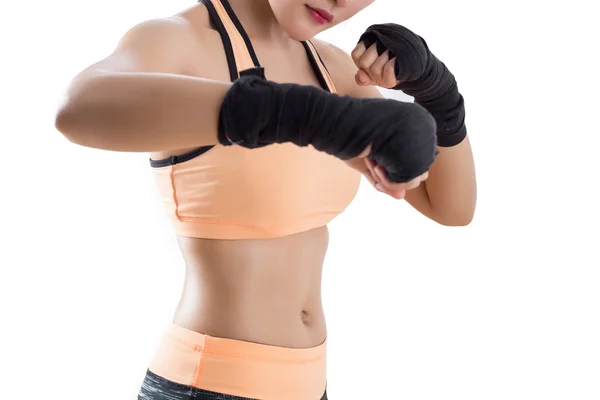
[449,194]
[135,101]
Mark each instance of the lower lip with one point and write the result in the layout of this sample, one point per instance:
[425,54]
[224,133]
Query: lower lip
[317,17]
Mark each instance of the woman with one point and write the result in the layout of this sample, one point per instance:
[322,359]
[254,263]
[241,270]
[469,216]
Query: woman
[251,129]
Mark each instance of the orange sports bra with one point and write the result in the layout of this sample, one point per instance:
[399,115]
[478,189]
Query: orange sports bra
[230,192]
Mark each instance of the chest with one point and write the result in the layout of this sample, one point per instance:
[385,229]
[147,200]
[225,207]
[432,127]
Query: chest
[284,65]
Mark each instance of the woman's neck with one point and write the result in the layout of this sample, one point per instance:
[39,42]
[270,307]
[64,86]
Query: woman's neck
[259,21]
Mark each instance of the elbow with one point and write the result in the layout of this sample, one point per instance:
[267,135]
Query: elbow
[83,117]
[81,123]
[68,119]
[68,123]
[456,218]
[64,123]
[458,212]
[457,221]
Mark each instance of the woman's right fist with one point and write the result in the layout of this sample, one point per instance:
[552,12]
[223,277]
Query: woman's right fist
[401,136]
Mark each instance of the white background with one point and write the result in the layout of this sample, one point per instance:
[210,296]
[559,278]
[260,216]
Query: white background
[506,308]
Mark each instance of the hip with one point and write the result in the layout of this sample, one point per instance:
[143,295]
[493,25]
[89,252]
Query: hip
[195,365]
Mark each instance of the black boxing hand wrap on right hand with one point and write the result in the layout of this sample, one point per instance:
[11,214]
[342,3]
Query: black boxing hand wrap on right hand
[256,112]
[423,77]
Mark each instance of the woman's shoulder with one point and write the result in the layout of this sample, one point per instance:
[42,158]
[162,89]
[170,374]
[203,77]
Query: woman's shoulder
[164,36]
[180,40]
[196,19]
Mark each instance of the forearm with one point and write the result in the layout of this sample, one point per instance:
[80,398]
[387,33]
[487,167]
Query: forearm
[449,195]
[142,112]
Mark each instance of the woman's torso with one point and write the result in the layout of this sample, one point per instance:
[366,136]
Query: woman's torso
[259,290]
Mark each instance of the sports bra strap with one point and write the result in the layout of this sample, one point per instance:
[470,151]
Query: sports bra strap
[319,66]
[236,38]
[240,54]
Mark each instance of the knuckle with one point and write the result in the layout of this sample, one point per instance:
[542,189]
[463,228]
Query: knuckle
[364,63]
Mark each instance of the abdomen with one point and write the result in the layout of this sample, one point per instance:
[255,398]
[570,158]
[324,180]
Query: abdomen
[263,290]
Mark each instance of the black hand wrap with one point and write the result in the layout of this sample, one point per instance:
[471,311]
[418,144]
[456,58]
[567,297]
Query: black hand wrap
[257,112]
[423,77]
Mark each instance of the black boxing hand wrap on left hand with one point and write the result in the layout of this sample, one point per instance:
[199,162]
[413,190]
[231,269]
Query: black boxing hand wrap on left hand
[423,77]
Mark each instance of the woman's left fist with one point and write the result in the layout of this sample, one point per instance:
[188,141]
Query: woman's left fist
[374,69]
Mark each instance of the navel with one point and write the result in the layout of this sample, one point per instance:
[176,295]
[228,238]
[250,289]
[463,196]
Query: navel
[305,317]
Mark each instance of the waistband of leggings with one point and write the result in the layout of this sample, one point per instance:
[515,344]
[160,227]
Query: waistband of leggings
[240,368]
[233,348]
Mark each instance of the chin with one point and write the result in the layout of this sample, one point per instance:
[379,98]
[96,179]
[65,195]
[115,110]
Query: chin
[301,33]
[299,26]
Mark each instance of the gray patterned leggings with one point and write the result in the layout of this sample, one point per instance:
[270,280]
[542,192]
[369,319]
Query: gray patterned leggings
[155,387]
